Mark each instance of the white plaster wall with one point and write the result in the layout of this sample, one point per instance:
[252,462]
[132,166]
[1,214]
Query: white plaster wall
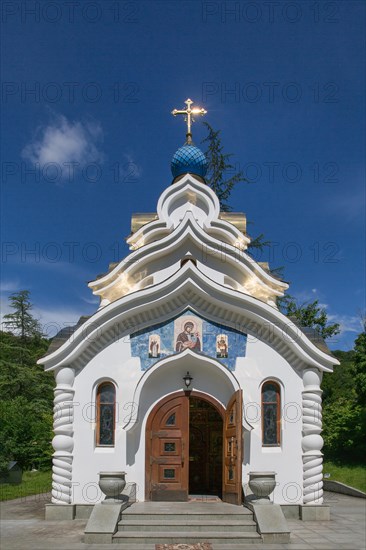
[188,202]
[161,275]
[115,363]
[262,363]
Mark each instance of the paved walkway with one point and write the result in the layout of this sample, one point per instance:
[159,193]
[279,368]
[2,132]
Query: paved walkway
[23,528]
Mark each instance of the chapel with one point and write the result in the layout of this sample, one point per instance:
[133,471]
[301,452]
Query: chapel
[188,377]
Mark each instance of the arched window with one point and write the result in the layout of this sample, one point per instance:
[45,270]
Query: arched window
[271,414]
[106,404]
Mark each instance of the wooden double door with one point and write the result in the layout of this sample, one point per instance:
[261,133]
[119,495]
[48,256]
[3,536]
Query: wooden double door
[194,446]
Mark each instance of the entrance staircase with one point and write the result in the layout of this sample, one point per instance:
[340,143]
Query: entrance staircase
[225,526]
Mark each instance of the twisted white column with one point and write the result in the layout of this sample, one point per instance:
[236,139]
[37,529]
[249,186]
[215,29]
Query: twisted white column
[312,442]
[63,443]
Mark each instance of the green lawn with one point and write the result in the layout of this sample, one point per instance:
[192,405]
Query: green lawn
[33,483]
[354,476]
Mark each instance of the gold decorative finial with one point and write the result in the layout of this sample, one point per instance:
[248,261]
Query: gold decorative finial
[188,116]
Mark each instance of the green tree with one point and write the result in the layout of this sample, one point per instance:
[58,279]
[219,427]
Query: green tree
[21,321]
[341,382]
[222,177]
[19,373]
[344,431]
[310,315]
[360,366]
[26,402]
[344,406]
[26,391]
[26,432]
[259,243]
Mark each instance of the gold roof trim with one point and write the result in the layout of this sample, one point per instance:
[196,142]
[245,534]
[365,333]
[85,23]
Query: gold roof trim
[140,219]
[236,218]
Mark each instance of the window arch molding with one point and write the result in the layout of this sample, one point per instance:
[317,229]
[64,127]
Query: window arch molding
[105,412]
[100,381]
[271,391]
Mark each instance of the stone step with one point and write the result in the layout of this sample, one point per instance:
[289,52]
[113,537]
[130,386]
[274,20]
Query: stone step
[163,519]
[219,546]
[162,537]
[178,509]
[163,513]
[183,524]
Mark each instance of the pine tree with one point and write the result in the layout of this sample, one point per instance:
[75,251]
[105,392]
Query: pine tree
[26,391]
[219,167]
[220,180]
[21,322]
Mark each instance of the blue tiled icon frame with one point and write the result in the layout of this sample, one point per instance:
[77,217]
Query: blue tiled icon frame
[140,342]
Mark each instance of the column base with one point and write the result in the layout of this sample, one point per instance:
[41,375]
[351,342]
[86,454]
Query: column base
[59,512]
[309,512]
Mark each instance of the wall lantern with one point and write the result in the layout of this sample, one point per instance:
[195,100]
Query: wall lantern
[187,380]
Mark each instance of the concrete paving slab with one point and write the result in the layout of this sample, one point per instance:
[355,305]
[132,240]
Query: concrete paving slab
[315,513]
[23,528]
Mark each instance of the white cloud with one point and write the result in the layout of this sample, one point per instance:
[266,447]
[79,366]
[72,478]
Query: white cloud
[63,142]
[347,323]
[9,286]
[93,301]
[306,296]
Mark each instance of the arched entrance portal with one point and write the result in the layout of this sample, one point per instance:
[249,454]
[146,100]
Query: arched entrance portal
[194,446]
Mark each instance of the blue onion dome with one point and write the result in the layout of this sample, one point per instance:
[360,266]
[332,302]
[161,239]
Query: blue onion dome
[189,159]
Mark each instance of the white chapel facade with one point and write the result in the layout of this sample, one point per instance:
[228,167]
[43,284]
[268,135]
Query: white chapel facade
[188,376]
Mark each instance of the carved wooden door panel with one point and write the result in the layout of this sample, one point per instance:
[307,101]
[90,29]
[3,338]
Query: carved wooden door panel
[232,467]
[167,451]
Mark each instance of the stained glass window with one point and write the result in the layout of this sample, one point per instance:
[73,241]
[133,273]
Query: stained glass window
[106,397]
[169,473]
[271,413]
[169,447]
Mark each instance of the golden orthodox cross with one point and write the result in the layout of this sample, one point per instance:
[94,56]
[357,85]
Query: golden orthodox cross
[188,116]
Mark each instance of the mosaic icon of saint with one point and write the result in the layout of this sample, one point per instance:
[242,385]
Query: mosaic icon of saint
[154,346]
[221,346]
[188,339]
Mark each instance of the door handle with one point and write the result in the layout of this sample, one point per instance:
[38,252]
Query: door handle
[234,447]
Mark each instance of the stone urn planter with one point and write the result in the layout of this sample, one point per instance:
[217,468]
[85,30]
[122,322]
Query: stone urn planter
[262,484]
[112,485]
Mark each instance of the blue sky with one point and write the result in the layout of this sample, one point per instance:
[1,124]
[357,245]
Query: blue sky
[88,137]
